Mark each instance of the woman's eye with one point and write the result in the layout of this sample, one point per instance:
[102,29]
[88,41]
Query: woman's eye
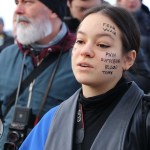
[103,45]
[79,42]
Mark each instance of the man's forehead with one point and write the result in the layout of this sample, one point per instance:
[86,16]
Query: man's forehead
[16,1]
[89,0]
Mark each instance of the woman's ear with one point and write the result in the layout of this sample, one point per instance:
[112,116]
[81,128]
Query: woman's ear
[129,59]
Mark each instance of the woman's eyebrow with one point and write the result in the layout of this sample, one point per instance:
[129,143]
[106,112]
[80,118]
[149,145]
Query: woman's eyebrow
[98,34]
[105,35]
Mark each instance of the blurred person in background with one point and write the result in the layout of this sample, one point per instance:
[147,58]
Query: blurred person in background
[41,38]
[5,39]
[76,10]
[142,15]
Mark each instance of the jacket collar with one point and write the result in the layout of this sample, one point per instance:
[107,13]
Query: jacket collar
[64,44]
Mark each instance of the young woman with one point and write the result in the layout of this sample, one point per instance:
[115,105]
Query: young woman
[108,112]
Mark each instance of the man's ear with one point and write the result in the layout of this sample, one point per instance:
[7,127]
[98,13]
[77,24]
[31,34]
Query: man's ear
[54,15]
[68,3]
[129,59]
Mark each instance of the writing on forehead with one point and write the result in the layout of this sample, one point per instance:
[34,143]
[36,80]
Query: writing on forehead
[109,28]
[111,62]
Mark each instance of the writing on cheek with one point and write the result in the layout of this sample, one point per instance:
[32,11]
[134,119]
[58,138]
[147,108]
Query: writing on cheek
[111,62]
[109,28]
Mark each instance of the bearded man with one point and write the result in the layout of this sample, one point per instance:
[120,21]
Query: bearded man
[40,34]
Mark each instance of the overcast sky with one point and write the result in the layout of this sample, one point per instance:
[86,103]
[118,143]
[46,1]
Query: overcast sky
[7,7]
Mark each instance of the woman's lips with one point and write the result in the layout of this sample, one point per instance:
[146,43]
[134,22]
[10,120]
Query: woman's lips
[84,65]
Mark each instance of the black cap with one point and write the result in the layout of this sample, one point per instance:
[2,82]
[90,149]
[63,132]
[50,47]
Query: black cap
[58,6]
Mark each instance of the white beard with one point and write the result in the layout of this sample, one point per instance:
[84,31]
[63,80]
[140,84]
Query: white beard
[33,30]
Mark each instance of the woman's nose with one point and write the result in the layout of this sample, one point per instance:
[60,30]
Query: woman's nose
[87,50]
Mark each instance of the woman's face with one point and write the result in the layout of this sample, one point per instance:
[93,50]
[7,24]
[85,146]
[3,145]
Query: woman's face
[97,57]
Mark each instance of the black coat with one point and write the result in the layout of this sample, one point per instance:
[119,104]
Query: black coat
[140,72]
[6,40]
[126,128]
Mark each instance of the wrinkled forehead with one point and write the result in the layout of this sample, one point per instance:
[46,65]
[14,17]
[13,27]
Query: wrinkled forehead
[16,1]
[83,0]
[86,1]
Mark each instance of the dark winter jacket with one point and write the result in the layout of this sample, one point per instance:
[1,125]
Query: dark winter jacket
[142,17]
[63,86]
[126,128]
[140,72]
[5,40]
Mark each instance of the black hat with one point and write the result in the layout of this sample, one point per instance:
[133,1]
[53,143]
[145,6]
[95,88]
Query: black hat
[58,6]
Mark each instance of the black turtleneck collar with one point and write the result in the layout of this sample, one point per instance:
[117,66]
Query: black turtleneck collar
[97,109]
[106,98]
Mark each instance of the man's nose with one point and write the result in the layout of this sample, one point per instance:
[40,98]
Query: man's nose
[20,9]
